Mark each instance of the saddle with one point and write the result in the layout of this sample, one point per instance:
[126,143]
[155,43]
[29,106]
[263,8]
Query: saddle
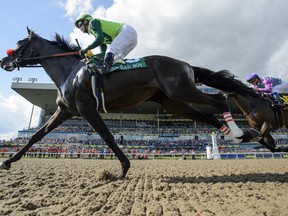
[278,111]
[95,62]
[278,103]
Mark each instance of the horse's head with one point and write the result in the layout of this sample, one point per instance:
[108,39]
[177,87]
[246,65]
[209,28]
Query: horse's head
[19,57]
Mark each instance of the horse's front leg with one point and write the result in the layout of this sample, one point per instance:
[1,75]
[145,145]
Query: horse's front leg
[55,120]
[265,137]
[95,120]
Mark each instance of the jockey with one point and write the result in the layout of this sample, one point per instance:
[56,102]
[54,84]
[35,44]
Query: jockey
[121,37]
[269,85]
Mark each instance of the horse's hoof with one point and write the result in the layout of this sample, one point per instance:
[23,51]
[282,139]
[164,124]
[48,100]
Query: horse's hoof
[125,168]
[4,166]
[255,133]
[249,135]
[121,176]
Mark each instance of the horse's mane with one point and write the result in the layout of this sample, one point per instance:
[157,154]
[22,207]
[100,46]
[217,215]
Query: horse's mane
[64,44]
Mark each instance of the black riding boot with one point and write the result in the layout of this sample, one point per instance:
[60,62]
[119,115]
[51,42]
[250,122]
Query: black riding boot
[108,61]
[277,101]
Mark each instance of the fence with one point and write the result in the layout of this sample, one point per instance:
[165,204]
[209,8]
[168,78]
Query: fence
[176,156]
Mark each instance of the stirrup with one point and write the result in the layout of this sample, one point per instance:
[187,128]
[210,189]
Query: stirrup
[94,69]
[278,105]
[102,70]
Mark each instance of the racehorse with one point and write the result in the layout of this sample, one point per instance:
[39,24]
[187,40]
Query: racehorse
[262,117]
[167,81]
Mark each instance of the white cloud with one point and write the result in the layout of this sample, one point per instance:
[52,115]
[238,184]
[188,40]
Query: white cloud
[241,36]
[278,63]
[15,113]
[73,7]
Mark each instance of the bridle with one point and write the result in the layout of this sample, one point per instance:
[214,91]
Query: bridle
[19,55]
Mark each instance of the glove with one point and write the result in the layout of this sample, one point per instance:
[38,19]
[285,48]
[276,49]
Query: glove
[82,52]
[88,54]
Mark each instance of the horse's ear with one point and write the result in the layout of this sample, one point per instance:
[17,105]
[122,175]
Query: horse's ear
[30,32]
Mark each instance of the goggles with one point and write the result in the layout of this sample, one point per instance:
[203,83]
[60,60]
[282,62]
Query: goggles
[80,23]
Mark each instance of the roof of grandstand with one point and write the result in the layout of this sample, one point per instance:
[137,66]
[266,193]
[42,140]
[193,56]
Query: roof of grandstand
[44,95]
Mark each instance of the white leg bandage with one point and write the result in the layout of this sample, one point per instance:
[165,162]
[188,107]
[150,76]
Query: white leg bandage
[232,125]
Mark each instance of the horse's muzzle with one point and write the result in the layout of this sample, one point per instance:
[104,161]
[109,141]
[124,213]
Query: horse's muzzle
[8,67]
[8,64]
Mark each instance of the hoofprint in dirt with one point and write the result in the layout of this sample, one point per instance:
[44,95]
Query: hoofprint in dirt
[152,187]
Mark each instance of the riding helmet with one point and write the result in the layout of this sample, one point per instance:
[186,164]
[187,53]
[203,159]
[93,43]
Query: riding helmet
[82,17]
[251,77]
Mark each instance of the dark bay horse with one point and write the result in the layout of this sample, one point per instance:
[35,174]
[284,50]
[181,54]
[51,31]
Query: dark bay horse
[166,81]
[262,117]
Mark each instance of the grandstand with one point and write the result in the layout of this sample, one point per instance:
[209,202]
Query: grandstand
[145,126]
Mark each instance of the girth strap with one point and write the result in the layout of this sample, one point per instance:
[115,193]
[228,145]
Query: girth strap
[279,115]
[97,89]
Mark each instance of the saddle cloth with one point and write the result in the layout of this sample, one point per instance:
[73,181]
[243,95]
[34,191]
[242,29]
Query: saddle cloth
[97,79]
[285,100]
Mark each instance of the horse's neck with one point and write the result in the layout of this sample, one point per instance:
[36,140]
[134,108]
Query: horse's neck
[245,104]
[59,68]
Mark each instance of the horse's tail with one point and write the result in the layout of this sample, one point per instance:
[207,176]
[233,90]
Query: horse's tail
[222,80]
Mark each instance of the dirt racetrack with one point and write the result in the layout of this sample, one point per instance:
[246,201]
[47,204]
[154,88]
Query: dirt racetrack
[152,187]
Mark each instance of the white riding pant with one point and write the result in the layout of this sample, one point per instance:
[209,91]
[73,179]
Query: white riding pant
[282,88]
[123,43]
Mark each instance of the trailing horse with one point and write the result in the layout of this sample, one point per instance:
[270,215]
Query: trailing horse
[166,81]
[262,117]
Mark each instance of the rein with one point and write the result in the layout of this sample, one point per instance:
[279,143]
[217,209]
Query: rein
[19,59]
[48,56]
[52,56]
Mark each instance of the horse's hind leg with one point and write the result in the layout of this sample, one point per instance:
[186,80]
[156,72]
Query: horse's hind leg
[188,111]
[193,95]
[55,120]
[92,116]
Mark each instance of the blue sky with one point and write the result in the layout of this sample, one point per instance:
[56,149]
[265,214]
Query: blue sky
[45,17]
[242,36]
